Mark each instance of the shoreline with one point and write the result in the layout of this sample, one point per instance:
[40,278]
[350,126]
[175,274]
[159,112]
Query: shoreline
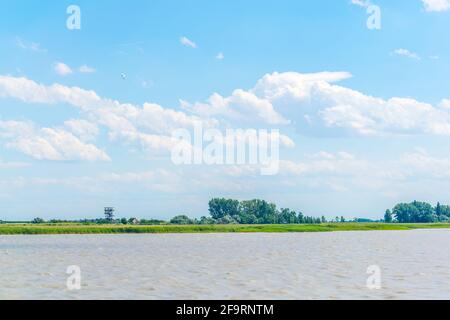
[80,229]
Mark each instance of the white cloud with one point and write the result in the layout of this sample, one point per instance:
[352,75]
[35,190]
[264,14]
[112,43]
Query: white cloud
[240,106]
[406,53]
[309,102]
[187,42]
[436,5]
[83,129]
[256,105]
[149,126]
[48,143]
[317,107]
[62,69]
[86,69]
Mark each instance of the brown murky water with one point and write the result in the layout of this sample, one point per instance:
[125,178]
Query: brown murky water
[413,264]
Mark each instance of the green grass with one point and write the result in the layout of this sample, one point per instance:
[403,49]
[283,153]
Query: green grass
[30,229]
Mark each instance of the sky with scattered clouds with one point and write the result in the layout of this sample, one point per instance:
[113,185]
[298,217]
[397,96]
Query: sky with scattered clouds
[87,116]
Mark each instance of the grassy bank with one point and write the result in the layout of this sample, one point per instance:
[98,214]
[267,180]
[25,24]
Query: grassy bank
[11,229]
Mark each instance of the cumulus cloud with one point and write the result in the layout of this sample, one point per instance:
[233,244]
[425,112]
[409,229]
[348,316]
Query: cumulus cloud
[48,143]
[149,126]
[62,69]
[436,5]
[240,106]
[317,106]
[312,103]
[256,105]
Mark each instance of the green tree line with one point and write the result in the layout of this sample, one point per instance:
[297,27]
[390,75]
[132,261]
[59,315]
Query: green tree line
[417,212]
[229,211]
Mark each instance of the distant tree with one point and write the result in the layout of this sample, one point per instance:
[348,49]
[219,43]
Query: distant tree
[182,219]
[324,220]
[266,213]
[253,212]
[38,221]
[415,212]
[342,219]
[438,209]
[219,208]
[227,220]
[287,216]
[445,212]
[300,218]
[207,220]
[124,221]
[388,216]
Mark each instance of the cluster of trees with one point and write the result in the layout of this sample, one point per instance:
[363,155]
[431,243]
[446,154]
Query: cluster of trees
[418,212]
[229,211]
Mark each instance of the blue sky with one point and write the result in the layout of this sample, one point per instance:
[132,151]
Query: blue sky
[76,136]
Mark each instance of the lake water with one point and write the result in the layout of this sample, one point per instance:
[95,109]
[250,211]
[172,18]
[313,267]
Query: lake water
[413,264]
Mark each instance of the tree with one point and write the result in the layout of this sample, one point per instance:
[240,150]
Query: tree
[438,209]
[265,213]
[388,216]
[286,216]
[219,208]
[182,219]
[426,212]
[342,219]
[415,212]
[324,220]
[207,220]
[300,218]
[38,221]
[445,212]
[227,220]
[254,211]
